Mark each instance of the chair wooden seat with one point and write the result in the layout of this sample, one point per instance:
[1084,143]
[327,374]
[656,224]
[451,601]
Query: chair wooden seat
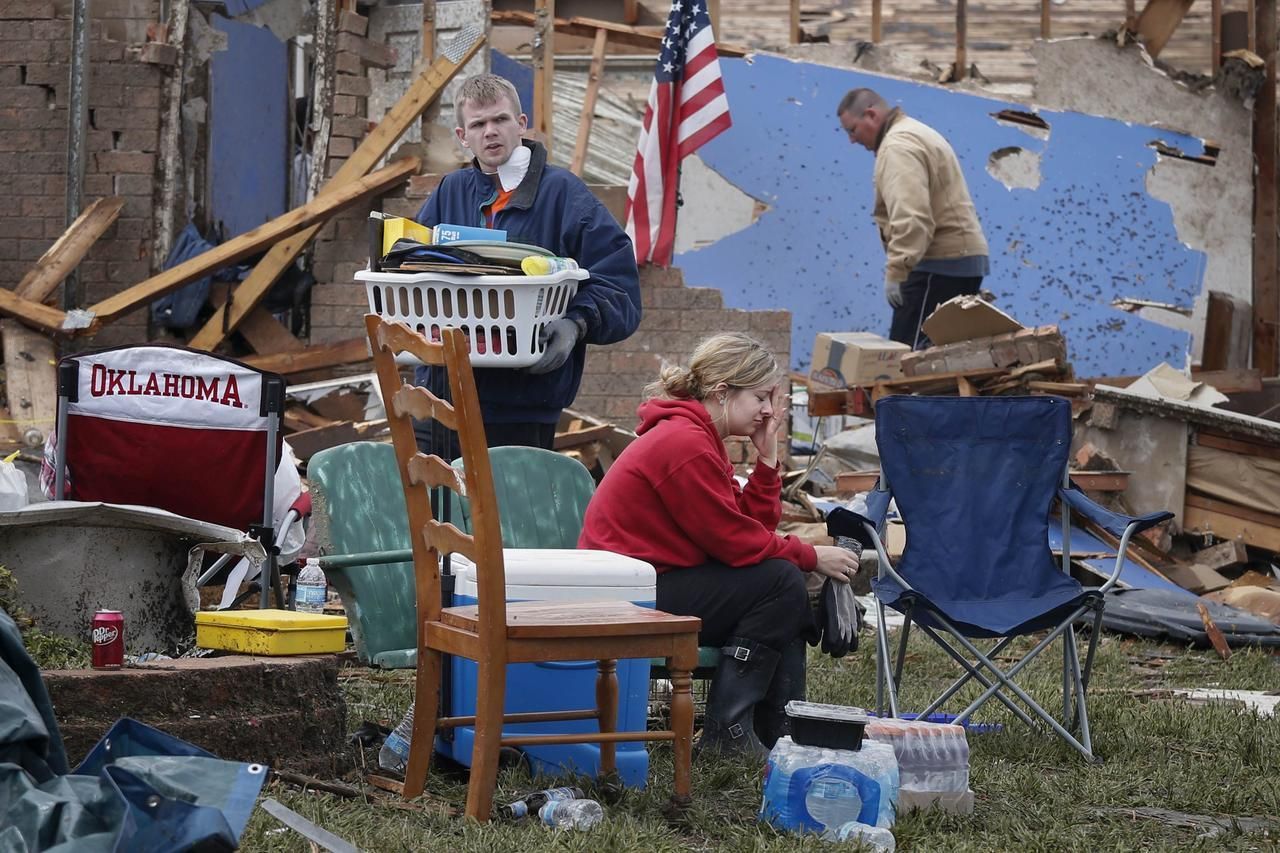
[494,633]
[534,619]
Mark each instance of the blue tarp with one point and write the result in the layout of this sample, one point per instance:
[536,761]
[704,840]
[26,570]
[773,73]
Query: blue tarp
[138,789]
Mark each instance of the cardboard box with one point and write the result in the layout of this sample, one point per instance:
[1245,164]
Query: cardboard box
[845,359]
[964,318]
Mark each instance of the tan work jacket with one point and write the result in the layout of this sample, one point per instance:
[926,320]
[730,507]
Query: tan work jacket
[922,208]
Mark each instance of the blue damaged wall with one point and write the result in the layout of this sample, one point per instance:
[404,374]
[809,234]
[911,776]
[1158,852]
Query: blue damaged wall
[1090,233]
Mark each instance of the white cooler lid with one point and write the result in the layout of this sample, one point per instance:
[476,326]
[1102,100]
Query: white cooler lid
[565,568]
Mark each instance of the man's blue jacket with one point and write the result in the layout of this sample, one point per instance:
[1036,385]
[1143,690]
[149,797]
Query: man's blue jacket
[551,208]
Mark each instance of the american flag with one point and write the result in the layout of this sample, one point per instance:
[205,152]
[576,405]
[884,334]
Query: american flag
[687,108]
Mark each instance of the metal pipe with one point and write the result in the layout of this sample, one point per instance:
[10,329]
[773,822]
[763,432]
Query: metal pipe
[77,131]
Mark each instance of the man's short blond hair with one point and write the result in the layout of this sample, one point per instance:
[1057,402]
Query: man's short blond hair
[485,89]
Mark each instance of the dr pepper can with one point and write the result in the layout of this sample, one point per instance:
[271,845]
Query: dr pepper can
[108,639]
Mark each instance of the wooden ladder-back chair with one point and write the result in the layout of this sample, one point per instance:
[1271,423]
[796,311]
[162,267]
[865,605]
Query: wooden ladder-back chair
[494,633]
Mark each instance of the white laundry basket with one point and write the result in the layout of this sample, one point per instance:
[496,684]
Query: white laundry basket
[501,315]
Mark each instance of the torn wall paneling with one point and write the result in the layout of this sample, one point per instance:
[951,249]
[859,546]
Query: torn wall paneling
[1062,253]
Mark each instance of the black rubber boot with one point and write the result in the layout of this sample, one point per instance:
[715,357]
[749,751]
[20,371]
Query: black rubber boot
[788,683]
[742,679]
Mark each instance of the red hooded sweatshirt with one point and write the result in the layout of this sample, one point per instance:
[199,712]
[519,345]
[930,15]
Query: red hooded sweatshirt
[670,499]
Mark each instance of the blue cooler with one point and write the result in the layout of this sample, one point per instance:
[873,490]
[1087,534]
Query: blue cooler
[558,575]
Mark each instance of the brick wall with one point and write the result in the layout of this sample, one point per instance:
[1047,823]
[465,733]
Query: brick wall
[675,319]
[124,120]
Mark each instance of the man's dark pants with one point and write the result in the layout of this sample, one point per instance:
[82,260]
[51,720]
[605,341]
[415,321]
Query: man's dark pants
[921,293]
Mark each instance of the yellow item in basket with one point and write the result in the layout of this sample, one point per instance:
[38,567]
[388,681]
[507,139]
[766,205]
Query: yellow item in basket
[395,227]
[271,632]
[542,265]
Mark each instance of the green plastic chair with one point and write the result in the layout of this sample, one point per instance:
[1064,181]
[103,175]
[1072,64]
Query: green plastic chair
[359,513]
[359,516]
[542,497]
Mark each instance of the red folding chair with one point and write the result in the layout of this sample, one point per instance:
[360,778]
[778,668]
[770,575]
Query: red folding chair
[176,429]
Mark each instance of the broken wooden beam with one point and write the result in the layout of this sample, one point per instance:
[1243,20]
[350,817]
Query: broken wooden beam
[1090,481]
[420,94]
[589,102]
[35,314]
[579,437]
[31,381]
[68,250]
[314,357]
[252,242]
[543,53]
[1158,21]
[1228,521]
[648,38]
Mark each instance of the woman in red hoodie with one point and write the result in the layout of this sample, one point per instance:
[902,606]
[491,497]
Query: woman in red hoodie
[671,499]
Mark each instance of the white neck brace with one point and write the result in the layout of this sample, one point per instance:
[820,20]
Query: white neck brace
[512,172]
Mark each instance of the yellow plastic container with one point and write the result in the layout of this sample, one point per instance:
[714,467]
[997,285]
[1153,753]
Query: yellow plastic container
[271,632]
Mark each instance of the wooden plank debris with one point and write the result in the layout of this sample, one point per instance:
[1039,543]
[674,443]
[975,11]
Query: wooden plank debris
[35,314]
[420,94]
[646,38]
[252,242]
[31,381]
[42,280]
[1157,22]
[543,54]
[583,435]
[1214,633]
[589,102]
[313,357]
[1227,521]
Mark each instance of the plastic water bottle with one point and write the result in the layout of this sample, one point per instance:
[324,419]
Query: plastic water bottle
[873,837]
[534,802]
[571,814]
[394,755]
[832,802]
[312,587]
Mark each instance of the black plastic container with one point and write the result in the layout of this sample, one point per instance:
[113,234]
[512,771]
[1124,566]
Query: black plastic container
[831,726]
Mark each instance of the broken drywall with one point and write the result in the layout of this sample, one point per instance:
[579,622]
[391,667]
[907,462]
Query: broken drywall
[1212,204]
[1015,167]
[735,209]
[1089,233]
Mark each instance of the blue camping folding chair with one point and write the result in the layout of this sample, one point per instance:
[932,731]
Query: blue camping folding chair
[974,480]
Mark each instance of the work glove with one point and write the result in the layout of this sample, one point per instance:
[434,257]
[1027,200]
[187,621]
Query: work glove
[839,618]
[893,292]
[558,339]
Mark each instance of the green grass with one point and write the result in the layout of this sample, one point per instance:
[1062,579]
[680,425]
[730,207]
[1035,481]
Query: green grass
[1032,792]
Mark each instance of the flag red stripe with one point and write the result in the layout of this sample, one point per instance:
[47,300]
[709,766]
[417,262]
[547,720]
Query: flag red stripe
[708,94]
[705,135]
[704,58]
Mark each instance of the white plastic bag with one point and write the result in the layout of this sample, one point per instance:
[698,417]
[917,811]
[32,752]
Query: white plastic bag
[13,485]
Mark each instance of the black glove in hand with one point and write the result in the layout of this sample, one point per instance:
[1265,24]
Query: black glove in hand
[558,339]
[839,618]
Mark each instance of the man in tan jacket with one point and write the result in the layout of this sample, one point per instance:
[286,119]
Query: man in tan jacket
[932,239]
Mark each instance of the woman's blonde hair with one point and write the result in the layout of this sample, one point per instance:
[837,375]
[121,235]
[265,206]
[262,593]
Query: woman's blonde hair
[735,359]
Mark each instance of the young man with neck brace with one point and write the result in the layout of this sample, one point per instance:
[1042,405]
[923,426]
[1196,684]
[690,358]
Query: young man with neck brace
[510,186]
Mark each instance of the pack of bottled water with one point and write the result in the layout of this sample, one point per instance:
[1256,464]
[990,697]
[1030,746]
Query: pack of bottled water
[818,789]
[933,762]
